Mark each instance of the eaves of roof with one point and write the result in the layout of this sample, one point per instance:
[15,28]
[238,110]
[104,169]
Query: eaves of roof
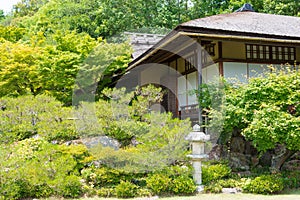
[202,28]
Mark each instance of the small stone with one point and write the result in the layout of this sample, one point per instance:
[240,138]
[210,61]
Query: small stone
[229,190]
[200,189]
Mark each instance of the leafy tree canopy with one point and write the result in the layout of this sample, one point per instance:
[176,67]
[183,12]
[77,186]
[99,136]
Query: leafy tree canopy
[267,110]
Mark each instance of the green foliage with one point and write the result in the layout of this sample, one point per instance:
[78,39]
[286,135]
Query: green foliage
[183,185]
[265,184]
[19,69]
[230,183]
[70,186]
[291,179]
[214,172]
[41,190]
[145,98]
[2,16]
[106,192]
[142,192]
[271,126]
[159,183]
[266,110]
[11,33]
[173,179]
[51,63]
[28,7]
[281,7]
[163,144]
[106,61]
[98,19]
[26,116]
[36,168]
[217,186]
[103,177]
[126,190]
[213,188]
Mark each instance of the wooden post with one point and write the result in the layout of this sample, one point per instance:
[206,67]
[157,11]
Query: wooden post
[199,69]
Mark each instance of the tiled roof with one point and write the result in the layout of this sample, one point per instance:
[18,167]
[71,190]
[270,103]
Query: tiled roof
[141,42]
[238,24]
[250,22]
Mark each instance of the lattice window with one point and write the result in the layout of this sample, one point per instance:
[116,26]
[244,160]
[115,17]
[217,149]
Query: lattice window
[265,52]
[190,63]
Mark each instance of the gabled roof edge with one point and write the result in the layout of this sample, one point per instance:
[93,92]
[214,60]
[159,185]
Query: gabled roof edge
[196,31]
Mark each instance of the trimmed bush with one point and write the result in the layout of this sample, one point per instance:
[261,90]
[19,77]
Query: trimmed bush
[158,183]
[41,190]
[213,188]
[105,192]
[126,190]
[214,172]
[69,187]
[230,183]
[265,184]
[144,192]
[183,185]
[216,187]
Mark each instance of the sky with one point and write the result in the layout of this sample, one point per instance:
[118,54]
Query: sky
[6,5]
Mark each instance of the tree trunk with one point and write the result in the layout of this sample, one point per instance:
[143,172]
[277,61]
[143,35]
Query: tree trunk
[280,156]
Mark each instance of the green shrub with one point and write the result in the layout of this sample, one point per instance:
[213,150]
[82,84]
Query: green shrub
[105,192]
[265,184]
[213,188]
[41,190]
[183,185]
[291,179]
[214,172]
[38,169]
[230,183]
[10,190]
[217,186]
[89,190]
[70,186]
[15,189]
[158,183]
[144,192]
[105,177]
[126,190]
[177,170]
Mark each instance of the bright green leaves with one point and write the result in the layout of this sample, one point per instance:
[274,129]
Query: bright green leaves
[11,33]
[19,66]
[266,111]
[271,126]
[51,64]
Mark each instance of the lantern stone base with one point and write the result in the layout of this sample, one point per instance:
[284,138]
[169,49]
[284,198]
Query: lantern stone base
[200,189]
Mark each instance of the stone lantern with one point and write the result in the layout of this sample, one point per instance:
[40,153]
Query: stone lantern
[197,140]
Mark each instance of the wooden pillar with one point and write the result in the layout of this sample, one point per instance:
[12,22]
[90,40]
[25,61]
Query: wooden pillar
[199,69]
[220,51]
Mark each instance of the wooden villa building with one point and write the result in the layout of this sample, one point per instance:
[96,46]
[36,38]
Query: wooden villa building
[237,45]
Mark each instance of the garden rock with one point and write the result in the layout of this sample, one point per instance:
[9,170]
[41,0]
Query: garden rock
[237,144]
[293,165]
[218,152]
[240,161]
[91,142]
[230,190]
